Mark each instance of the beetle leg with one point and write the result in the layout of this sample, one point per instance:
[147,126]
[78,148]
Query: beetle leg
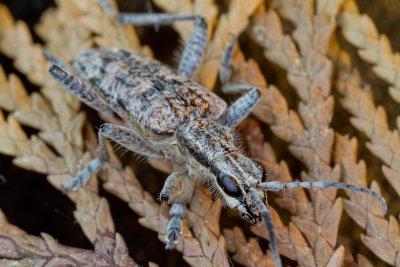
[123,136]
[241,108]
[128,139]
[173,186]
[225,70]
[194,49]
[177,188]
[174,228]
[80,88]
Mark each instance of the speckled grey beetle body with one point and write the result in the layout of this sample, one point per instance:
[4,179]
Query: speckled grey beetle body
[156,98]
[164,114]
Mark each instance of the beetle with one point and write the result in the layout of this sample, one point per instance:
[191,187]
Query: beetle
[166,115]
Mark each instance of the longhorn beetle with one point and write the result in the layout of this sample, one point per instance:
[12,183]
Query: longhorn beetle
[168,116]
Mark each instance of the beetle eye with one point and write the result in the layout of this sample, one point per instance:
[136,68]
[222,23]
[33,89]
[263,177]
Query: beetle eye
[229,185]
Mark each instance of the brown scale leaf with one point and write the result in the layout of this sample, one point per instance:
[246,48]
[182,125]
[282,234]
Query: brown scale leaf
[234,22]
[76,25]
[371,120]
[63,133]
[382,236]
[360,31]
[21,249]
[92,212]
[247,253]
[10,31]
[204,247]
[309,72]
[273,109]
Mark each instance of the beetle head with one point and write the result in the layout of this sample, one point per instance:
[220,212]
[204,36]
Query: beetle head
[211,147]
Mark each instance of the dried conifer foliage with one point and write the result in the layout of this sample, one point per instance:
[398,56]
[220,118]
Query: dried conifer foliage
[331,114]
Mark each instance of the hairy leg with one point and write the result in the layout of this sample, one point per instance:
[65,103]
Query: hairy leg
[194,49]
[80,88]
[174,228]
[225,70]
[123,136]
[243,106]
[178,189]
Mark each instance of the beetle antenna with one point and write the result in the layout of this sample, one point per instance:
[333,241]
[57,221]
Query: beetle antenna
[277,186]
[266,217]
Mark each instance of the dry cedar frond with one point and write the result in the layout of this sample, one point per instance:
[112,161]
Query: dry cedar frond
[92,212]
[272,109]
[291,243]
[309,72]
[234,22]
[371,120]
[77,25]
[57,118]
[230,24]
[363,261]
[206,248]
[382,236]
[247,253]
[10,31]
[360,30]
[20,249]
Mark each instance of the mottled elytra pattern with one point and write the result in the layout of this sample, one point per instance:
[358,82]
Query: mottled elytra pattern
[157,97]
[169,116]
